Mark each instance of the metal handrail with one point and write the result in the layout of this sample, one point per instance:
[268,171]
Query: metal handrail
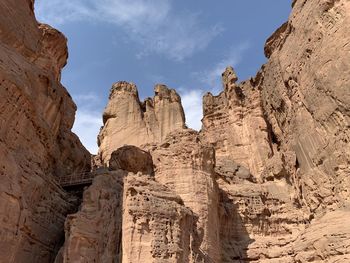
[76,178]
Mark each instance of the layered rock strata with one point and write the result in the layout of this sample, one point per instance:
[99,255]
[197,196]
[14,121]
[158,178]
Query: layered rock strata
[185,164]
[94,233]
[157,226]
[306,99]
[256,197]
[265,180]
[129,121]
[126,216]
[243,136]
[36,142]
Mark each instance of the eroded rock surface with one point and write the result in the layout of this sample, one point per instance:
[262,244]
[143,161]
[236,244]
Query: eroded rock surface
[234,124]
[157,227]
[185,164]
[306,98]
[127,121]
[36,142]
[265,180]
[132,159]
[94,233]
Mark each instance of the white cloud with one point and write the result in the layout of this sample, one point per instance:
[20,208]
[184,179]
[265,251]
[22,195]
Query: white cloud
[192,100]
[88,120]
[153,24]
[192,104]
[212,76]
[87,126]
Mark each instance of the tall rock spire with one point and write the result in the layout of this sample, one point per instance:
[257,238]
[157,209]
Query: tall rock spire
[129,121]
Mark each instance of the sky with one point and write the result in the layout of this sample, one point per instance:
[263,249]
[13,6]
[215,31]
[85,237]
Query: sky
[183,44]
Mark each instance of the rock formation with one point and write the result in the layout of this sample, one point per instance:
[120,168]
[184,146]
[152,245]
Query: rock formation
[94,233]
[128,121]
[126,216]
[132,159]
[186,165]
[243,136]
[36,142]
[265,180]
[306,99]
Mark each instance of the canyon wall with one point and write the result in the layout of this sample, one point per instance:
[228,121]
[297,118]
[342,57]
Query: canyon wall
[265,180]
[36,142]
[306,99]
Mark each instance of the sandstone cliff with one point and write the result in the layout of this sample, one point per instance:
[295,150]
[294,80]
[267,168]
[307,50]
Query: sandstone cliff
[306,99]
[128,121]
[127,216]
[36,144]
[265,180]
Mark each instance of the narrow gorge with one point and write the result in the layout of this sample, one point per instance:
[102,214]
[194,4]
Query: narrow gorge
[266,179]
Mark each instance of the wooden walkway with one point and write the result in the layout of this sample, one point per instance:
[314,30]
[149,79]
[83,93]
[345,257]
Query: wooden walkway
[76,179]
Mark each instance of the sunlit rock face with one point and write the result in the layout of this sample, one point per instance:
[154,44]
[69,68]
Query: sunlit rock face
[129,121]
[36,142]
[306,98]
[265,180]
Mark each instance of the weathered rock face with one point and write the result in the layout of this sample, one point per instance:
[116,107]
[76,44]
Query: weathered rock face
[306,98]
[129,218]
[157,227]
[94,233]
[297,111]
[256,197]
[234,124]
[132,159]
[185,164]
[266,179]
[36,144]
[128,121]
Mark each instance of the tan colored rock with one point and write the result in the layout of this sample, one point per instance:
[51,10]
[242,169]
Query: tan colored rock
[131,159]
[94,233]
[36,142]
[157,227]
[129,218]
[185,164]
[127,121]
[305,94]
[234,124]
[266,180]
[327,239]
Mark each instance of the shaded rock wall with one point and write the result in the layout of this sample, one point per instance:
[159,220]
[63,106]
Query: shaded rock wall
[36,144]
[93,234]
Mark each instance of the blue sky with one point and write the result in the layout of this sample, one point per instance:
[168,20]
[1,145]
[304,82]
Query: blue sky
[183,44]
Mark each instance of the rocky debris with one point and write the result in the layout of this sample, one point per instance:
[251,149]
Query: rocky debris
[127,121]
[36,142]
[131,159]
